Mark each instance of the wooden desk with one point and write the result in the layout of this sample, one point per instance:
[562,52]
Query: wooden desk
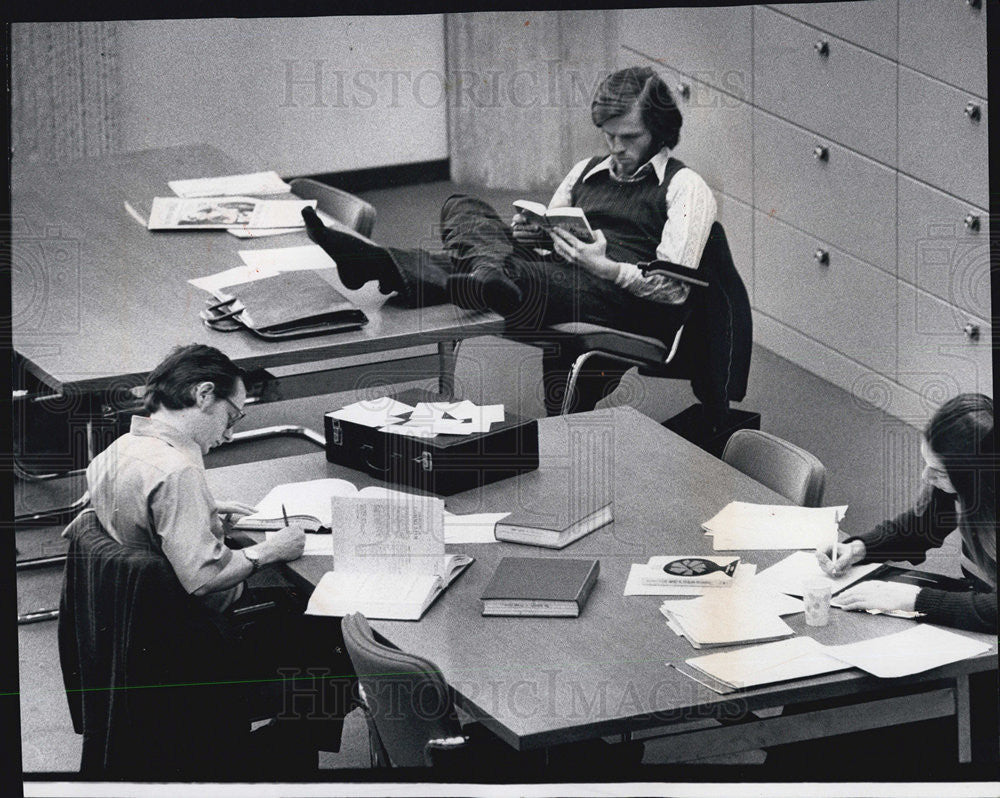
[536,682]
[101,300]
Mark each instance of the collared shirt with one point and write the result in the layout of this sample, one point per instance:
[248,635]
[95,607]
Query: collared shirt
[691,211]
[149,488]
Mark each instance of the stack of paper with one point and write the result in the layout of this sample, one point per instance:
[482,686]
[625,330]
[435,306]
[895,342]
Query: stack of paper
[425,420]
[797,570]
[725,618]
[741,525]
[795,658]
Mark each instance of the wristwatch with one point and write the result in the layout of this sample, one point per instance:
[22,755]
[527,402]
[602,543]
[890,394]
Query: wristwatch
[253,557]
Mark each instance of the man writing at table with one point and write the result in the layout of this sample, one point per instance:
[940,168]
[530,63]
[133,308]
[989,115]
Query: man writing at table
[643,204]
[149,490]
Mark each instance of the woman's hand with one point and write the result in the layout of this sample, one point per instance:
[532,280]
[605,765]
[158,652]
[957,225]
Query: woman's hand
[848,554]
[591,257]
[876,595]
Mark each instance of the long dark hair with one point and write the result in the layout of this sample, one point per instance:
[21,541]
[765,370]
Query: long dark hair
[961,435]
[642,87]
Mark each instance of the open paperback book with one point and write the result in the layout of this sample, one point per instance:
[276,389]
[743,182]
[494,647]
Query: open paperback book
[573,220]
[388,558]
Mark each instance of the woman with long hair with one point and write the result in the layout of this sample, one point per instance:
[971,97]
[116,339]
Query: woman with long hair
[958,491]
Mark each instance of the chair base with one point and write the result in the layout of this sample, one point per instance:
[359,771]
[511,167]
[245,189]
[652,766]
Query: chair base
[692,424]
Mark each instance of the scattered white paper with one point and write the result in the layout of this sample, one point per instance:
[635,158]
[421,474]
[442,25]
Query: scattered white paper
[264,232]
[373,412]
[914,650]
[723,618]
[220,213]
[317,545]
[411,430]
[288,259]
[260,183]
[214,283]
[795,658]
[741,525]
[639,582]
[791,574]
[472,528]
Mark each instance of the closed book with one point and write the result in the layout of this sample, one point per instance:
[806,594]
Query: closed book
[545,586]
[547,530]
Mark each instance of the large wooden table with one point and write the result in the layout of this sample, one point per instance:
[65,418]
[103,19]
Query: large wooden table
[536,682]
[100,300]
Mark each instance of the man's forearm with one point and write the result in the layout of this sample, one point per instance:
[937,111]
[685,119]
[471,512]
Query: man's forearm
[236,570]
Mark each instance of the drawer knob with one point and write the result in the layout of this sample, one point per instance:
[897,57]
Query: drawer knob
[822,47]
[822,257]
[971,331]
[971,222]
[973,111]
[821,153]
[684,90]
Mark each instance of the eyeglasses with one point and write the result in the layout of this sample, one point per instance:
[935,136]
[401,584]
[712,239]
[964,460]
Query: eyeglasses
[233,420]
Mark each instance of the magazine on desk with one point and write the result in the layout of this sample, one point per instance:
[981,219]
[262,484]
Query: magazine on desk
[222,213]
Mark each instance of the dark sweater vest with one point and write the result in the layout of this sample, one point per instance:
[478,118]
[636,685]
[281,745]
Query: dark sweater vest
[631,215]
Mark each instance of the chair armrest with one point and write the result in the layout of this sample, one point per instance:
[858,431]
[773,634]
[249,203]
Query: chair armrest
[448,752]
[639,348]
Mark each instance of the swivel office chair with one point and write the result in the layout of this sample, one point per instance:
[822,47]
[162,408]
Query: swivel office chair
[785,468]
[711,349]
[343,206]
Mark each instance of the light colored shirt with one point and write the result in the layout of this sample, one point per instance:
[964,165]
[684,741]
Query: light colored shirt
[691,211]
[149,488]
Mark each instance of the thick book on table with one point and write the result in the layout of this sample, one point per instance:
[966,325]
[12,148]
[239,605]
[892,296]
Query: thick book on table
[399,597]
[545,586]
[538,529]
[573,220]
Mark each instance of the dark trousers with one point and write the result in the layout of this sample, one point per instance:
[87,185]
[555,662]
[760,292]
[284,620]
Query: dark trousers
[294,665]
[474,237]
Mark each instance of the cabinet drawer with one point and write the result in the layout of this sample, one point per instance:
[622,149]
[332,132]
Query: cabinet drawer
[871,25]
[936,357]
[845,199]
[737,218]
[944,246]
[848,94]
[710,44]
[939,141]
[946,39]
[715,136]
[844,304]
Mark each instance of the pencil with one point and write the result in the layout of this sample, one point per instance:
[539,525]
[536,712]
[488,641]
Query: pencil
[284,514]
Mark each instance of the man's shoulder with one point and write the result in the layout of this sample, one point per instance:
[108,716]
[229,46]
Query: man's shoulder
[147,453]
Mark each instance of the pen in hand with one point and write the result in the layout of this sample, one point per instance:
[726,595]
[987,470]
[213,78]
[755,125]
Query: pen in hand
[284,514]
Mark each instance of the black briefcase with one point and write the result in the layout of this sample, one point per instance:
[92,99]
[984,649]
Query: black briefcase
[444,464]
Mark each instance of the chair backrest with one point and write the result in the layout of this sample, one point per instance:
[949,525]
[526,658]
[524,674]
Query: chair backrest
[341,205]
[126,622]
[784,467]
[407,699]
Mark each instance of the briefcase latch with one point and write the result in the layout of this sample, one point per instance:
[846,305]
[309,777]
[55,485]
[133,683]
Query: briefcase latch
[336,433]
[425,460]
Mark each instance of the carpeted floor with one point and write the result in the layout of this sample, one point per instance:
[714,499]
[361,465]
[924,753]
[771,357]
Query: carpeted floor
[872,463]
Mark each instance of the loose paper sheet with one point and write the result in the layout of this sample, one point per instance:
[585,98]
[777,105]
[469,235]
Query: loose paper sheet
[472,528]
[791,574]
[373,412]
[288,259]
[795,658]
[914,650]
[214,283]
[741,525]
[260,183]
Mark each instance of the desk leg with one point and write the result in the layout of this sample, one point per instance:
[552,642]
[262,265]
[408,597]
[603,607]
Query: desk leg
[963,718]
[447,356]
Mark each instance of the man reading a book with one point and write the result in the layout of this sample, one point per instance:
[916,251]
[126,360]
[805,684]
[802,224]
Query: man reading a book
[643,205]
[149,491]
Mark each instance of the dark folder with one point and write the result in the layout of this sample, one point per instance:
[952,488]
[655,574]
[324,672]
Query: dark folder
[288,305]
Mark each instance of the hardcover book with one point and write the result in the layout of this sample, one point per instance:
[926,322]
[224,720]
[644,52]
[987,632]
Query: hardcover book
[549,530]
[544,586]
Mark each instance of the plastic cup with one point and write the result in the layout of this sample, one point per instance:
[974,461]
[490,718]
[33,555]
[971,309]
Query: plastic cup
[816,596]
